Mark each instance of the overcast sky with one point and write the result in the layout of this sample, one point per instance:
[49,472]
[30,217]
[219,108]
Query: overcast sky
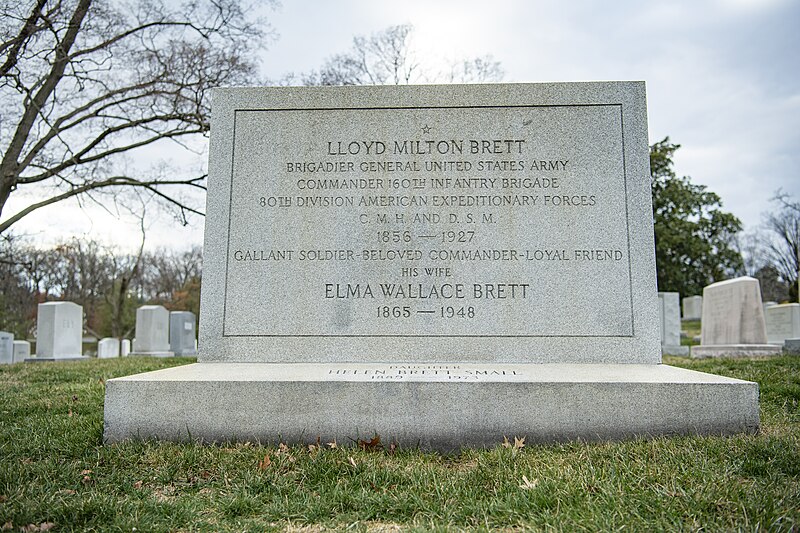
[722,77]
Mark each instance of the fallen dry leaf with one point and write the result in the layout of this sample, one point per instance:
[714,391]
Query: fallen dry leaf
[7,526]
[528,485]
[392,448]
[332,445]
[506,442]
[67,491]
[264,463]
[3,498]
[70,413]
[137,485]
[353,462]
[282,448]
[370,445]
[46,526]
[519,443]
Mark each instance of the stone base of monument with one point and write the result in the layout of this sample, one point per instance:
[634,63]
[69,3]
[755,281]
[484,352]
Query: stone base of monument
[431,406]
[151,354]
[56,359]
[735,350]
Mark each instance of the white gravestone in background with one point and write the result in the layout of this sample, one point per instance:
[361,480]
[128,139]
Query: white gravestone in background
[125,347]
[59,332]
[670,314]
[692,308]
[440,265]
[107,348]
[182,333]
[152,332]
[22,351]
[783,322]
[733,321]
[6,348]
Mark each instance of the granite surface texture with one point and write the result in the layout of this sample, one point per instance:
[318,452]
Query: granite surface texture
[472,405]
[416,221]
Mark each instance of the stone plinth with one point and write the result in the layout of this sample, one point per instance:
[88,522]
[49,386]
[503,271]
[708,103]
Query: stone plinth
[152,332]
[442,407]
[733,321]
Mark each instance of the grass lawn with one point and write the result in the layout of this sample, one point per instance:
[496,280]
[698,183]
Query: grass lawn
[55,473]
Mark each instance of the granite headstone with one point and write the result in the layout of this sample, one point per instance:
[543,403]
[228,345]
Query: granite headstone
[783,322]
[22,351]
[182,338]
[107,348]
[441,265]
[59,332]
[125,347]
[6,348]
[692,308]
[152,332]
[733,321]
[670,314]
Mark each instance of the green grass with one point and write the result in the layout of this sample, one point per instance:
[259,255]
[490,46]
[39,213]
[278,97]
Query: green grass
[55,470]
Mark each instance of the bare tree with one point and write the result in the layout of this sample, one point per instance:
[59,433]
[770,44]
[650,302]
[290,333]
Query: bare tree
[85,83]
[477,70]
[388,57]
[17,295]
[784,250]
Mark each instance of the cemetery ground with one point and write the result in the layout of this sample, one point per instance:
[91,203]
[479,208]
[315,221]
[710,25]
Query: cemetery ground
[55,473]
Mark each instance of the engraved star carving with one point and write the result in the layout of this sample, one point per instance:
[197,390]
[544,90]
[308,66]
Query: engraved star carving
[426,129]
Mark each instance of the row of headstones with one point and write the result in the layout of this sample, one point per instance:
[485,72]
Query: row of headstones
[60,334]
[733,321]
[782,320]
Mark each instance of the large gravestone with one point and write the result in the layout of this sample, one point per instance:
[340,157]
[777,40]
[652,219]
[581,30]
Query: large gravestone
[6,348]
[692,308]
[783,322]
[670,315]
[59,332]
[152,332]
[733,321]
[182,338]
[440,265]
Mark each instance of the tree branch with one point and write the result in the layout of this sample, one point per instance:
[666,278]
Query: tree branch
[117,181]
